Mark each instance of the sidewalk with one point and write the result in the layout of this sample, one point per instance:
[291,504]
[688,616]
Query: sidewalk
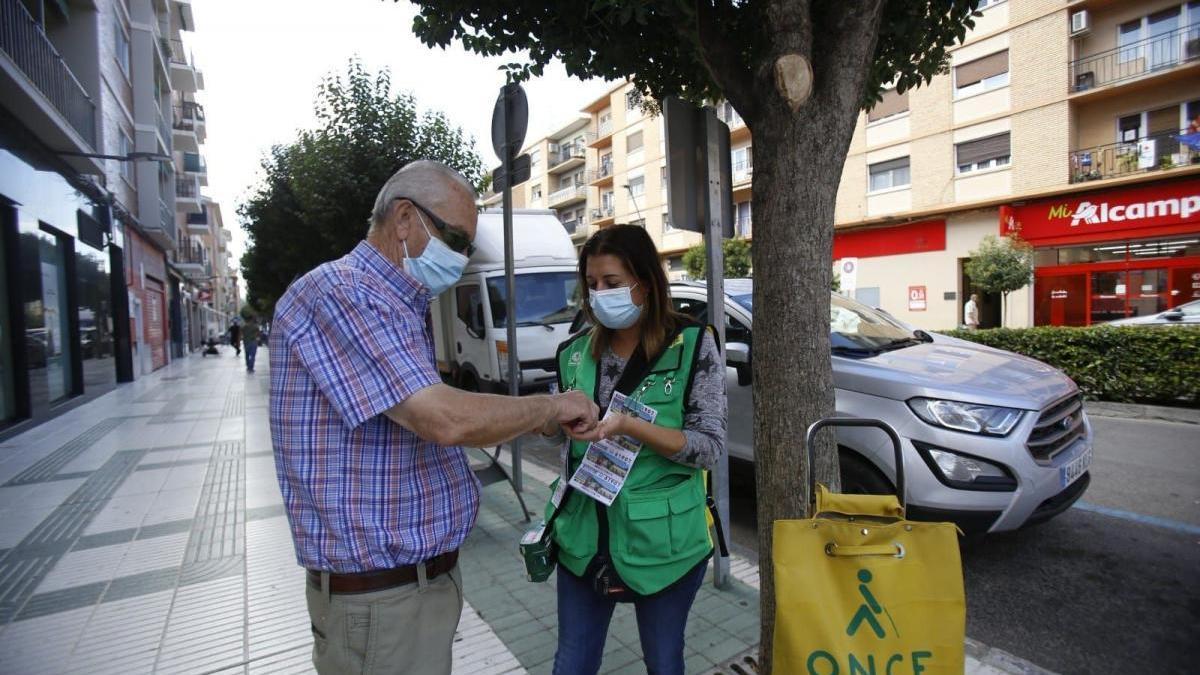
[143,532]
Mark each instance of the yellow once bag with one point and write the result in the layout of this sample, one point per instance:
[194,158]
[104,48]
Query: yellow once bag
[861,590]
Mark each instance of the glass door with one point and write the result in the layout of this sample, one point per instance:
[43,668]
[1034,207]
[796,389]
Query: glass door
[1147,292]
[1109,291]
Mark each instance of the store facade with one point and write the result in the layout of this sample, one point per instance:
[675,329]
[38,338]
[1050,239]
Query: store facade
[1112,254]
[59,331]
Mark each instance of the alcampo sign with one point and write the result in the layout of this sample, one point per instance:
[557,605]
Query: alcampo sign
[1161,209]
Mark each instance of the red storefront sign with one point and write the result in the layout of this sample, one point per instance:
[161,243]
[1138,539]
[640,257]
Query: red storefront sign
[927,235]
[1162,209]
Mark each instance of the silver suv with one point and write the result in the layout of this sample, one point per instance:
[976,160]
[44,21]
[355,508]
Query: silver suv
[992,440]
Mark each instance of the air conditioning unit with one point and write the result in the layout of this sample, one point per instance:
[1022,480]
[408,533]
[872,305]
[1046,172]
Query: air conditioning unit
[1080,22]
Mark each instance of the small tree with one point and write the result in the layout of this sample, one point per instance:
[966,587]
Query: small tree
[737,259]
[1001,265]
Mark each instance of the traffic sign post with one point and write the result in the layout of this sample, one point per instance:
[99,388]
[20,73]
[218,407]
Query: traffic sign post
[701,199]
[510,117]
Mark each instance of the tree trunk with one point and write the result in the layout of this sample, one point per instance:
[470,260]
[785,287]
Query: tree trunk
[799,156]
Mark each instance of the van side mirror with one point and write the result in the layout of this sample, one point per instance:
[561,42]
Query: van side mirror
[737,355]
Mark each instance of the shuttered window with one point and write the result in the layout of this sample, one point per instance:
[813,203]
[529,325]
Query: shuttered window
[983,153]
[890,174]
[892,103]
[989,72]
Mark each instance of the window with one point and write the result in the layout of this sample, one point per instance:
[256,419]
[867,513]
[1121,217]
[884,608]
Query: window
[742,219]
[633,142]
[666,222]
[122,48]
[980,75]
[981,5]
[892,103]
[1129,128]
[1128,34]
[536,192]
[983,153]
[606,200]
[469,309]
[663,176]
[743,159]
[637,186]
[890,174]
[126,147]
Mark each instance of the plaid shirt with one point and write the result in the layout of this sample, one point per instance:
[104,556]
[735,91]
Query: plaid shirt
[350,340]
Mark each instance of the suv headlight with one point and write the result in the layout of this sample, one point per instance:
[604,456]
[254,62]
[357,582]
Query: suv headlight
[973,418]
[965,472]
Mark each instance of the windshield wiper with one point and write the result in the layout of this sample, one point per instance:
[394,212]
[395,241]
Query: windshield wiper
[854,352]
[901,343]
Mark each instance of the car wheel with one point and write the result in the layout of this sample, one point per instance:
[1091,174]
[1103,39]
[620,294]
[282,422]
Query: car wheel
[860,477]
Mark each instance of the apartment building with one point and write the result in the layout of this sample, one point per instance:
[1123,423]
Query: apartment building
[91,147]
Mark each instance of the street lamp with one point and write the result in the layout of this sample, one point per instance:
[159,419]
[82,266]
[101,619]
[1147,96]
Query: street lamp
[633,198]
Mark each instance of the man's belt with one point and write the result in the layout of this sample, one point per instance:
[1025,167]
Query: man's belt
[378,580]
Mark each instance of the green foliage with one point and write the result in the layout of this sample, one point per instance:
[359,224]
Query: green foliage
[836,284]
[1131,364]
[316,193]
[1001,265]
[664,46]
[737,260]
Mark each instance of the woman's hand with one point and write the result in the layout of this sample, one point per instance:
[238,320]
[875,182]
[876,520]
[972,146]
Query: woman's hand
[613,425]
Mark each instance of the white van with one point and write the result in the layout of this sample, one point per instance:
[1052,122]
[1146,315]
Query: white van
[470,320]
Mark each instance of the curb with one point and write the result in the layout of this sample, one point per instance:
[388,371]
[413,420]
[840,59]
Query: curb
[1139,411]
[980,658]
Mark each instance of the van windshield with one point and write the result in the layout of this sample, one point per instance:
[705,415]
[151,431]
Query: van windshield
[543,298]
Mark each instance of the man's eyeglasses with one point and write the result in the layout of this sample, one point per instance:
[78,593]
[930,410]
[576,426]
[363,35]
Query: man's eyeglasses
[454,237]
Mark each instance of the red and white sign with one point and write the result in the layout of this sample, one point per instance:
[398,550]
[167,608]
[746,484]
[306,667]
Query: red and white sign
[1154,210]
[916,299]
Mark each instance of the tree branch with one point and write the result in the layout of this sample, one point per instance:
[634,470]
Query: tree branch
[724,63]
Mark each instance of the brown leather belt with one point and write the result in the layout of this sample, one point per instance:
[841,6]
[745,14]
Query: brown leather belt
[378,580]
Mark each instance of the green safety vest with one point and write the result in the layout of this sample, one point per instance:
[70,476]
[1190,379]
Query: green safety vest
[658,524]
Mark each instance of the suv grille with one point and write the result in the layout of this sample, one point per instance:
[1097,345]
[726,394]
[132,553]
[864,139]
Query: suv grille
[1057,427]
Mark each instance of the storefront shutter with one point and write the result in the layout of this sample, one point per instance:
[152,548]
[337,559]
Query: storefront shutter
[981,69]
[983,149]
[892,103]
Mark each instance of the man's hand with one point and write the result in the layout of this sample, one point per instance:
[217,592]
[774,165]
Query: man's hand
[575,412]
[613,425]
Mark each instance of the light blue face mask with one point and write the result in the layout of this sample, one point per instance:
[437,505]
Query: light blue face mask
[439,267]
[614,307]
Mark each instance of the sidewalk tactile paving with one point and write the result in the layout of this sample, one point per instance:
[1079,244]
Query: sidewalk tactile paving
[45,468]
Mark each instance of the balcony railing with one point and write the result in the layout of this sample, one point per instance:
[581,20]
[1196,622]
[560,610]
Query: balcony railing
[188,115]
[1155,152]
[194,163]
[603,212]
[190,254]
[187,189]
[604,128]
[1154,54]
[164,130]
[571,225]
[22,38]
[166,217]
[605,170]
[742,172]
[198,218]
[177,54]
[744,226]
[567,193]
[567,153]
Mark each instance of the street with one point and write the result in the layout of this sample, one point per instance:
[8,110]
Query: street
[1108,586]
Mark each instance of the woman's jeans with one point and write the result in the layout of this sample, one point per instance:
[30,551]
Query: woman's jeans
[583,618]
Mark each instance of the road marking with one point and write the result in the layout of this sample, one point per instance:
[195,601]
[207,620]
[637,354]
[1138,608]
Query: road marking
[1139,518]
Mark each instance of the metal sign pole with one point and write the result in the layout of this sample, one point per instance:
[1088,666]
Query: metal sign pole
[510,285]
[714,220]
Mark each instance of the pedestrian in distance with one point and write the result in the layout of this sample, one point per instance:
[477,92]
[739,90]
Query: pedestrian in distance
[651,547]
[235,338]
[250,336]
[971,313]
[369,442]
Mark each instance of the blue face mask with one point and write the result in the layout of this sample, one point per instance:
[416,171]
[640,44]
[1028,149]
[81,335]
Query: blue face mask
[439,267]
[614,308]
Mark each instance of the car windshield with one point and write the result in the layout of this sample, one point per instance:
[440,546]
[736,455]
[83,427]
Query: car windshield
[543,298]
[745,300]
[853,325]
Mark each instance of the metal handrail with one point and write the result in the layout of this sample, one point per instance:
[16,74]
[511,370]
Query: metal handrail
[25,42]
[1160,52]
[568,193]
[187,189]
[1122,159]
[604,129]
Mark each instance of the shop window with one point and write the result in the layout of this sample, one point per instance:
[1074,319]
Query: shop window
[1060,300]
[8,397]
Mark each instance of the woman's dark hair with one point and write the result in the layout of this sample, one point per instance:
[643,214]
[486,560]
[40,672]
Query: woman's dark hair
[635,249]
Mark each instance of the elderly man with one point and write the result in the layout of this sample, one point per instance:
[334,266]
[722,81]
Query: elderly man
[379,493]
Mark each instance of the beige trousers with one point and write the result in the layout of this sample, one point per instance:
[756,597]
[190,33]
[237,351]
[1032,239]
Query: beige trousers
[406,629]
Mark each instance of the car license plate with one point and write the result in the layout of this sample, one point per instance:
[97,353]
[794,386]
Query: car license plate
[1072,470]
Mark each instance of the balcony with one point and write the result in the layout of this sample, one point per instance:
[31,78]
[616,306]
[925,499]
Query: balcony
[192,259]
[164,133]
[567,195]
[743,172]
[193,163]
[35,79]
[188,125]
[1156,152]
[568,157]
[197,223]
[603,175]
[1157,55]
[605,215]
[184,76]
[187,195]
[603,137]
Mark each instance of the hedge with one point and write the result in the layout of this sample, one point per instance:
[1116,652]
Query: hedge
[1128,364]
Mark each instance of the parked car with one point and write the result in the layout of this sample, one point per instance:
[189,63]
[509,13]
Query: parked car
[1187,314]
[992,440]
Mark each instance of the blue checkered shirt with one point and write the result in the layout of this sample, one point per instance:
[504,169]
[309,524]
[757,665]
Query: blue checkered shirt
[350,340]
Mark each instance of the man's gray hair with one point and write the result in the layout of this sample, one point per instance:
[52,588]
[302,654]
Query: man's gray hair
[424,180]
